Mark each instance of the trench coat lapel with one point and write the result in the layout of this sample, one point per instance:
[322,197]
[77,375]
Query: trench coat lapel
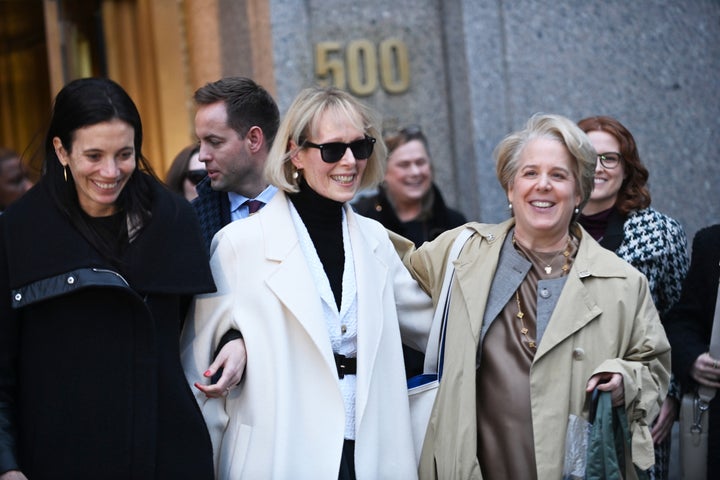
[576,307]
[371,277]
[476,275]
[292,278]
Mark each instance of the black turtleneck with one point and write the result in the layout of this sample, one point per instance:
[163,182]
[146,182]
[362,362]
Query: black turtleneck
[323,219]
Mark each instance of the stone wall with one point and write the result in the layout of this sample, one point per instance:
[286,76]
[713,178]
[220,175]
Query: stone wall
[480,68]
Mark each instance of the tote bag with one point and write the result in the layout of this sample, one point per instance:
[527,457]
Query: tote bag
[422,389]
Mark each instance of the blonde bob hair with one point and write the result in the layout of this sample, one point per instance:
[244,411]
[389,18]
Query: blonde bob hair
[554,127]
[301,123]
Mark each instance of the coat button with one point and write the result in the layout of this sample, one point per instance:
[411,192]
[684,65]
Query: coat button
[18,297]
[579,354]
[343,329]
[545,293]
[70,280]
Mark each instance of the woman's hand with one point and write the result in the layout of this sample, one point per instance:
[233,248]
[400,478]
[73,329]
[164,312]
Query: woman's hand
[706,371]
[608,382]
[232,359]
[13,475]
[666,418]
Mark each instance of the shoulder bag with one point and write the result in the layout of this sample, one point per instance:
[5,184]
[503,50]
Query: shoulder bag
[694,416]
[422,389]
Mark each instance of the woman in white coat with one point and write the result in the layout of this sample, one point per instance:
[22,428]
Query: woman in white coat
[316,292]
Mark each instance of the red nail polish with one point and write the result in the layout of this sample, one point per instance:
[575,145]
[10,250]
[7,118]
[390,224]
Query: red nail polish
[207,373]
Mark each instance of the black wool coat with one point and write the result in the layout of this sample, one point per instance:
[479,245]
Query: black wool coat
[91,385]
[689,325]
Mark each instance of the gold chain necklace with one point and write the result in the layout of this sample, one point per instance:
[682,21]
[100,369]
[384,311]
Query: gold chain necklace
[524,330]
[548,269]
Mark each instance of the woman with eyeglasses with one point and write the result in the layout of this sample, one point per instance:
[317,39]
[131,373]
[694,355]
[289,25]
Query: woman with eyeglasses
[186,172]
[539,317]
[317,293]
[618,215]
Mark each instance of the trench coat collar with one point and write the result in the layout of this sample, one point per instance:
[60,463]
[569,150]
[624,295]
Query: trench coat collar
[475,272]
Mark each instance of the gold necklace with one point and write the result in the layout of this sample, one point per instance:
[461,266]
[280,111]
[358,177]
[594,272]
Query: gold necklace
[548,269]
[566,254]
[524,330]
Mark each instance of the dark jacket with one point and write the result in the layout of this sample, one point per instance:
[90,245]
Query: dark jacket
[441,217]
[689,325]
[91,384]
[212,209]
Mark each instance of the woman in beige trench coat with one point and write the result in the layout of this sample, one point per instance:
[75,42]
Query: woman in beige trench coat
[540,315]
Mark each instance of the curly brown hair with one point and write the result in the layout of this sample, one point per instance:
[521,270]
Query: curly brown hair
[634,193]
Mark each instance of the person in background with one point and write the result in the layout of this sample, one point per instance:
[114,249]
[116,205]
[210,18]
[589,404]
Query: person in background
[539,317]
[689,327]
[92,301]
[14,180]
[618,215]
[410,204]
[186,172]
[236,122]
[317,293]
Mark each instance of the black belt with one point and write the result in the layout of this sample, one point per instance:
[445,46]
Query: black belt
[345,365]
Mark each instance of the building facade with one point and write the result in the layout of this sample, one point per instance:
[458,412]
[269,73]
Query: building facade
[467,71]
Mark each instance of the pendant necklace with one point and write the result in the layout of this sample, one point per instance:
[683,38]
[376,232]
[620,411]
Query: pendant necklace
[548,268]
[532,343]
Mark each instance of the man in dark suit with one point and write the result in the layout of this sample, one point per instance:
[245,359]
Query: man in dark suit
[236,122]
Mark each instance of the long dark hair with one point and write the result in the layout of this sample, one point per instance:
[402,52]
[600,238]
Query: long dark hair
[82,103]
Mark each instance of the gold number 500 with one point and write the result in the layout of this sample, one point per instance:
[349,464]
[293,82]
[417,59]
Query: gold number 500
[358,68]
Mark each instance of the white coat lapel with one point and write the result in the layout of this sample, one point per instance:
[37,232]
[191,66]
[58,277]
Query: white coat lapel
[371,276]
[291,279]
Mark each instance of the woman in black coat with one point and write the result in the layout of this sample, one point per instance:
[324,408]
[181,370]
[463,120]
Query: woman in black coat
[98,265]
[689,327]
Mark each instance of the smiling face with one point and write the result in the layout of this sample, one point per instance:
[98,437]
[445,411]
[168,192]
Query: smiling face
[543,195]
[408,175]
[100,160]
[226,156]
[340,180]
[608,181]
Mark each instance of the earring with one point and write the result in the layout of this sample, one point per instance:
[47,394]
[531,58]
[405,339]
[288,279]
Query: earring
[510,206]
[577,210]
[65,173]
[296,174]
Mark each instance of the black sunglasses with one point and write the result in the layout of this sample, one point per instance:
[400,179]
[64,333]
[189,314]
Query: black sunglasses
[195,176]
[333,151]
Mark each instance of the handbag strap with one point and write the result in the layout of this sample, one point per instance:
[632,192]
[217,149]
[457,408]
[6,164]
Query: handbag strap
[433,353]
[708,393]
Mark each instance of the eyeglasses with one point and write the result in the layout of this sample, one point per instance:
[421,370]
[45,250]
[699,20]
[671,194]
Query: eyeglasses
[333,151]
[609,160]
[195,176]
